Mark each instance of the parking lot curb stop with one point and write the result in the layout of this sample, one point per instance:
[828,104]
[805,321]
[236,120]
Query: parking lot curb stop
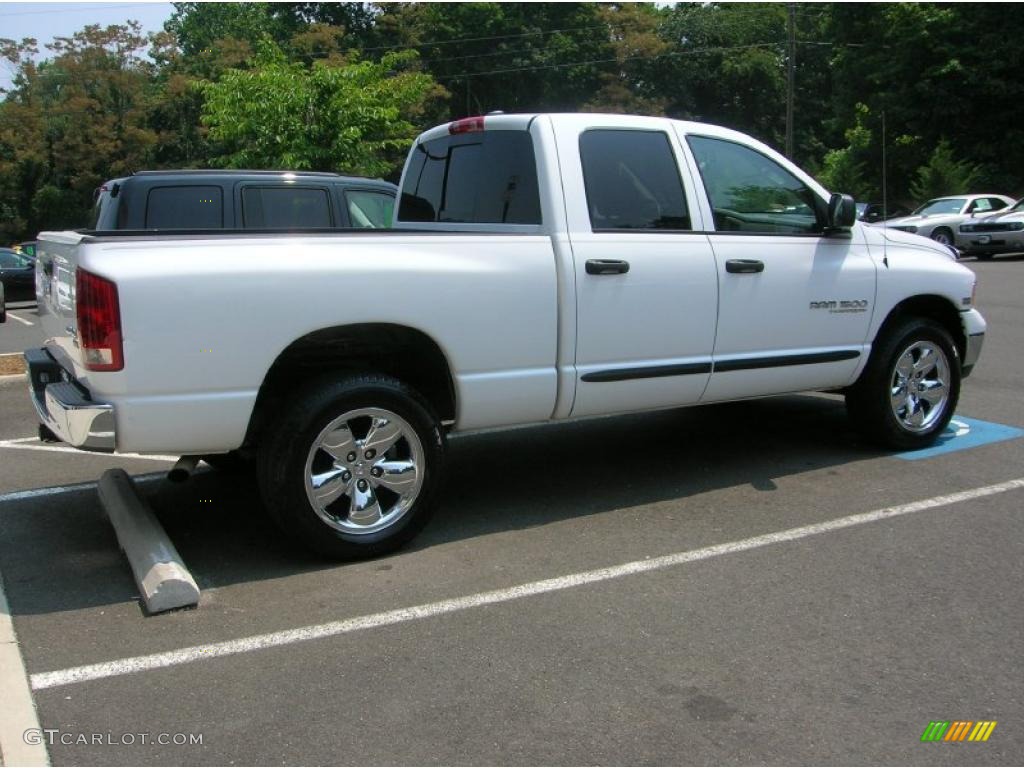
[161,574]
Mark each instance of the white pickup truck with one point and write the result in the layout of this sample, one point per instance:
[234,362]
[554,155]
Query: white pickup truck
[541,268]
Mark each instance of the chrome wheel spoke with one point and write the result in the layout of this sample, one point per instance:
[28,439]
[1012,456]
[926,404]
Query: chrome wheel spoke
[364,509]
[905,366]
[339,443]
[329,486]
[926,361]
[897,398]
[383,434]
[915,414]
[398,476]
[934,392]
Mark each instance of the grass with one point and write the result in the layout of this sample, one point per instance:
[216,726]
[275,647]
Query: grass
[11,364]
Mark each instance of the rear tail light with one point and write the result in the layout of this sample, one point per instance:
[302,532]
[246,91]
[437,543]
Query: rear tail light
[99,322]
[466,125]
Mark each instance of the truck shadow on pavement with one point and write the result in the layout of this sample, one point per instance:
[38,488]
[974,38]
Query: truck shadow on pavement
[59,553]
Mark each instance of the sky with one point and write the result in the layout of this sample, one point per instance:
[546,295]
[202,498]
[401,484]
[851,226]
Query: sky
[44,21]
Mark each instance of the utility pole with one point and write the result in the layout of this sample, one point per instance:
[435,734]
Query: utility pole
[790,76]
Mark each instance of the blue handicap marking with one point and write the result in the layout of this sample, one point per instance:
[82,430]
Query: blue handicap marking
[962,434]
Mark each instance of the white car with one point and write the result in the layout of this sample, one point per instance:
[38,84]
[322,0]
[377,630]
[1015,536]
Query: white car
[541,268]
[939,218]
[1002,232]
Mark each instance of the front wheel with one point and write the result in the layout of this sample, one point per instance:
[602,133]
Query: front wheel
[907,393]
[942,236]
[352,467]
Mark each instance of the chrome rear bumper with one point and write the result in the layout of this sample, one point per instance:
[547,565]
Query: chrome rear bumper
[65,407]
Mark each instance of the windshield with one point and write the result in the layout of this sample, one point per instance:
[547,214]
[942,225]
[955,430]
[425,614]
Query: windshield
[1017,207]
[944,205]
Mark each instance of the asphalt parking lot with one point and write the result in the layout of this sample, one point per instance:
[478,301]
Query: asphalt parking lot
[750,610]
[22,329]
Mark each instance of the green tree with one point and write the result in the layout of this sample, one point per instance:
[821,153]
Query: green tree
[843,169]
[72,121]
[355,118]
[727,66]
[943,174]
[515,57]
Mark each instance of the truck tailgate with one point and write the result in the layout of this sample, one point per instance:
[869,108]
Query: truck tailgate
[56,266]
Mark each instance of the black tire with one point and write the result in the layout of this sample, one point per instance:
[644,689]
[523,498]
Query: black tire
[943,235]
[289,442]
[869,400]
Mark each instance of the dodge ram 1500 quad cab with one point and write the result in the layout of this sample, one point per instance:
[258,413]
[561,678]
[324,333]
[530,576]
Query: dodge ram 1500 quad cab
[539,268]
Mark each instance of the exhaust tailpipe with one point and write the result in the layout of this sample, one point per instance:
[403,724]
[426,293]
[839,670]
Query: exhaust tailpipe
[183,469]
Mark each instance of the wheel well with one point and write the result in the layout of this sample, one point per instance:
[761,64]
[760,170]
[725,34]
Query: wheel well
[935,308]
[405,353]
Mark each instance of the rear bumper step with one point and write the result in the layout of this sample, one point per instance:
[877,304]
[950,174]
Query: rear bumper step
[65,407]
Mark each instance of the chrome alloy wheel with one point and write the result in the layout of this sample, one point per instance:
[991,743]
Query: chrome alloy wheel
[364,470]
[920,382]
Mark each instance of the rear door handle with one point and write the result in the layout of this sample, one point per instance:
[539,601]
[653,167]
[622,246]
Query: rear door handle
[744,266]
[607,267]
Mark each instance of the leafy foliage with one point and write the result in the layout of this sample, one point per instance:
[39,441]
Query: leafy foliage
[353,117]
[943,174]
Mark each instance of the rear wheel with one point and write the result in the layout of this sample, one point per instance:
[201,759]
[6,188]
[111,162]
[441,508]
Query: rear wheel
[352,467]
[907,393]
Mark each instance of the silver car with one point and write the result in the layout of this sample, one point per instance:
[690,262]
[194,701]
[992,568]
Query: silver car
[1001,233]
[939,218]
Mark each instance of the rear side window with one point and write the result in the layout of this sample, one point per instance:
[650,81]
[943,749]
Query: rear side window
[488,177]
[632,181]
[371,210]
[192,207]
[286,207]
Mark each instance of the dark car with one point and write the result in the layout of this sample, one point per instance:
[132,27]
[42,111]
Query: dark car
[242,200]
[18,274]
[872,212]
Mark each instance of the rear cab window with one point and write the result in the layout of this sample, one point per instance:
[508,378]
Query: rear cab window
[482,177]
[185,207]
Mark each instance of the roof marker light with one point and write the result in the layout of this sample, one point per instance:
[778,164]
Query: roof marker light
[466,125]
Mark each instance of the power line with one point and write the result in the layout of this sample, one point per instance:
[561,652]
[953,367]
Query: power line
[565,65]
[84,7]
[496,37]
[670,54]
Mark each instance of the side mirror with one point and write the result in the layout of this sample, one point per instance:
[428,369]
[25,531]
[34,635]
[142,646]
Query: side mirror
[842,212]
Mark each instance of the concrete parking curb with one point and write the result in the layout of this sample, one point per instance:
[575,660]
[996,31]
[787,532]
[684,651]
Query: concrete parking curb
[20,734]
[159,571]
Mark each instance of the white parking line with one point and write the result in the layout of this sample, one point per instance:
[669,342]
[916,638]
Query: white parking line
[35,493]
[13,316]
[20,444]
[274,639]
